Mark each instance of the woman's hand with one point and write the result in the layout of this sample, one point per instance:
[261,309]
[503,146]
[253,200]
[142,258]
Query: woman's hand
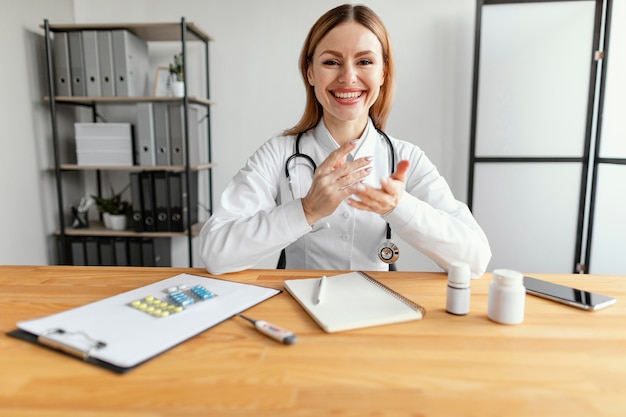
[381,200]
[334,180]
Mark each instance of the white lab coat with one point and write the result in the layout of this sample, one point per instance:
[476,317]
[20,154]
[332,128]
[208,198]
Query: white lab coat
[259,214]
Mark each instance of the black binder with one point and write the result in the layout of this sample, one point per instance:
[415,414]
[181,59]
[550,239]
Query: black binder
[91,251]
[136,197]
[162,251]
[193,186]
[156,251]
[135,252]
[107,257]
[147,200]
[178,200]
[147,252]
[78,251]
[175,188]
[121,251]
[161,197]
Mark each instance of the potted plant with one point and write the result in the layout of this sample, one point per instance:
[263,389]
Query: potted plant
[177,76]
[114,209]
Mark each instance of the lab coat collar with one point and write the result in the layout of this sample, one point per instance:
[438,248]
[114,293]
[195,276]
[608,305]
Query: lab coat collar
[366,143]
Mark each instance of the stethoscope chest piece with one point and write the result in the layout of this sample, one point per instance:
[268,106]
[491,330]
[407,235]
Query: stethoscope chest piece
[388,252]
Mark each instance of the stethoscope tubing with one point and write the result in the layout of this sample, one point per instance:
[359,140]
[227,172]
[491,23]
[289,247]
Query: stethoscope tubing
[298,154]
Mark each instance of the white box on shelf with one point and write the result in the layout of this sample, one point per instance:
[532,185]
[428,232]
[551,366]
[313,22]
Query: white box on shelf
[104,158]
[108,144]
[103,130]
[103,144]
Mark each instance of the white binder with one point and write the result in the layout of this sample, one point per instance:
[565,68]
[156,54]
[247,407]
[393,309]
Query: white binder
[92,65]
[105,59]
[161,134]
[77,63]
[177,134]
[130,58]
[63,78]
[145,134]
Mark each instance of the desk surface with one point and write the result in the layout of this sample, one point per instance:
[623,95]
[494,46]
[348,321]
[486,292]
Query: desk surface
[560,362]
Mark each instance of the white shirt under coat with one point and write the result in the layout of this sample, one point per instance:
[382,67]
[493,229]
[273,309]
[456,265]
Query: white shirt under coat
[258,214]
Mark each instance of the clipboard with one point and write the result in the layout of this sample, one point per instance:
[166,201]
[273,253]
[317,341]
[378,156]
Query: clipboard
[119,333]
[353,300]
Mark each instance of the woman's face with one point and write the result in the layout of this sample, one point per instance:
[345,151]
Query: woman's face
[347,71]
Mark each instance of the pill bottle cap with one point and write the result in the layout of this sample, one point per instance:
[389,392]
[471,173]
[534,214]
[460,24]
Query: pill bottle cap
[459,275]
[507,277]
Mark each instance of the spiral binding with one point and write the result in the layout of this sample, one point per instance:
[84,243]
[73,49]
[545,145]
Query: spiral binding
[395,294]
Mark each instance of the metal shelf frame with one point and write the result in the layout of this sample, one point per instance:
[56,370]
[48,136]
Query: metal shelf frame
[151,32]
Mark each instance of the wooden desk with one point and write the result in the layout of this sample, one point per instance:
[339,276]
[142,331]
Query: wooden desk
[559,362]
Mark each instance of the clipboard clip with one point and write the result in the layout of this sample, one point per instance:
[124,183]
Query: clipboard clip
[46,340]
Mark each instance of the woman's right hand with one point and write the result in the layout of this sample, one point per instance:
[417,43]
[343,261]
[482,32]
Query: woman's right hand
[334,180]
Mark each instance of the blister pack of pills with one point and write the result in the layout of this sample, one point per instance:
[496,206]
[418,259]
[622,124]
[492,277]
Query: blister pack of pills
[173,300]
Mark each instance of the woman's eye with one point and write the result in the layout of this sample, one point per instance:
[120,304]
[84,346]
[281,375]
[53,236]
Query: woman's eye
[331,62]
[365,62]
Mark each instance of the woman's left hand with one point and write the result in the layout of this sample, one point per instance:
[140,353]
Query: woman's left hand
[382,200]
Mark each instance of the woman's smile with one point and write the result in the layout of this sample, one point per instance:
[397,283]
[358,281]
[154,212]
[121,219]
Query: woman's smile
[346,72]
[347,96]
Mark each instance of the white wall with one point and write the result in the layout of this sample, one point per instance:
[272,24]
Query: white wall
[256,85]
[27,203]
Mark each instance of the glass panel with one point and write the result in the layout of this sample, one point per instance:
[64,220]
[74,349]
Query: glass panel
[613,142]
[529,213]
[608,243]
[534,78]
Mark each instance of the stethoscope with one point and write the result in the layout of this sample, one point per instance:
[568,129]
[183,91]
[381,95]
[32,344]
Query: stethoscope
[388,252]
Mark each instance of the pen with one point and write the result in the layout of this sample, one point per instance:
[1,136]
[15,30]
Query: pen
[317,296]
[275,332]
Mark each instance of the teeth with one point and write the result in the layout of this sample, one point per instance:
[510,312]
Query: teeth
[348,96]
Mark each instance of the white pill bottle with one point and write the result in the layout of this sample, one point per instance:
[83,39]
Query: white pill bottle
[458,292]
[507,297]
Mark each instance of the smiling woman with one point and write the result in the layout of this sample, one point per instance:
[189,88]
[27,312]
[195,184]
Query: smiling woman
[329,190]
[347,82]
[367,19]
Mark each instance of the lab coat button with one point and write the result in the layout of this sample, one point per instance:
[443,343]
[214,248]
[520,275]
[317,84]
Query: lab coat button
[346,215]
[345,237]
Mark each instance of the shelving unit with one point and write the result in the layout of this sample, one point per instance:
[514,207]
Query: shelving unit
[150,32]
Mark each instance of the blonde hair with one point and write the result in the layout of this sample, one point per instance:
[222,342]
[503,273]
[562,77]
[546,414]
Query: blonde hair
[346,13]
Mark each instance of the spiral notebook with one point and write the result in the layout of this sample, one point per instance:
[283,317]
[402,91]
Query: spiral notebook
[351,301]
